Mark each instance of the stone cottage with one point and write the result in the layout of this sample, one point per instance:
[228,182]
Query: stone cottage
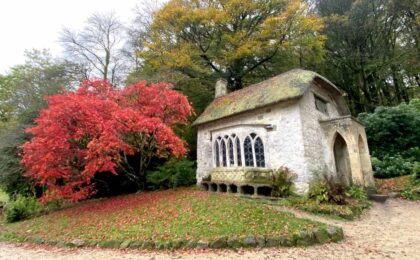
[297,120]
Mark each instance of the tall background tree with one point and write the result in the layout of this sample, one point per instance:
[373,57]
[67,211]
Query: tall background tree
[372,51]
[22,92]
[241,41]
[97,48]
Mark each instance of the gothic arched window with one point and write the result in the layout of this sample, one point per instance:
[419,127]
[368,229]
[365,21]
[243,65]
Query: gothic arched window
[238,152]
[223,144]
[217,153]
[259,152]
[249,158]
[231,156]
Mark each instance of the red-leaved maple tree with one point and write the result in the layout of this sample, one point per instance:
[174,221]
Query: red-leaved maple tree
[95,129]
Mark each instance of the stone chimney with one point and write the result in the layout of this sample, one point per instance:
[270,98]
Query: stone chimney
[221,88]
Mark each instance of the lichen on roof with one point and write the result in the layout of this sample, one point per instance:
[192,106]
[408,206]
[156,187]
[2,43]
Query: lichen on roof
[286,86]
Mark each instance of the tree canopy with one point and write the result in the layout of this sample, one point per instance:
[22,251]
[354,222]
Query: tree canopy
[373,50]
[232,39]
[22,90]
[96,129]
[97,47]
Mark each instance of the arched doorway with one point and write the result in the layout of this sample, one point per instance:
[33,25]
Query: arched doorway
[342,161]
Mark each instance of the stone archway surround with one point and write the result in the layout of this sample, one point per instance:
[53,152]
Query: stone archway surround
[342,161]
[350,130]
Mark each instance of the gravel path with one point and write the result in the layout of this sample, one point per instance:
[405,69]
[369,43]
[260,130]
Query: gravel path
[387,231]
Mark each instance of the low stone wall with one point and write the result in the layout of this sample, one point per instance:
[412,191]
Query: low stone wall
[246,181]
[241,175]
[252,189]
[304,238]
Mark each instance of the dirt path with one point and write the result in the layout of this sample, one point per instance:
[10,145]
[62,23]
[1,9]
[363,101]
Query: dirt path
[387,231]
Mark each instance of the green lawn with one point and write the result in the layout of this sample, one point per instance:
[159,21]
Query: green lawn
[330,210]
[159,216]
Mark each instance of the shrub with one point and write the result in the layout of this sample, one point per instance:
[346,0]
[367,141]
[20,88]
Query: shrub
[318,191]
[324,188]
[22,208]
[416,173]
[392,166]
[282,182]
[174,173]
[410,193]
[393,130]
[357,192]
[12,180]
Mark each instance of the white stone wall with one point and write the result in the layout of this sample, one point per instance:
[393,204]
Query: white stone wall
[317,155]
[298,140]
[283,145]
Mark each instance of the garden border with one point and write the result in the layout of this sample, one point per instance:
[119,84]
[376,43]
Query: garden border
[304,238]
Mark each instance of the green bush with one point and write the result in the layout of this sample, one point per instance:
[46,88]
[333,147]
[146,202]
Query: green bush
[282,182]
[357,192]
[12,180]
[174,173]
[416,173]
[22,208]
[325,188]
[410,193]
[392,166]
[393,130]
[318,191]
[393,138]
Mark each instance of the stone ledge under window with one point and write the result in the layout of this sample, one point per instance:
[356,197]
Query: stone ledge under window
[241,175]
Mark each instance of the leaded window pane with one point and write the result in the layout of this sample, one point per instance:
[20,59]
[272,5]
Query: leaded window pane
[231,156]
[259,152]
[238,152]
[224,162]
[217,153]
[249,159]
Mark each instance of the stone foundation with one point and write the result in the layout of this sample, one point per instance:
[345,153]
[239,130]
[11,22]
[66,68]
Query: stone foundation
[252,189]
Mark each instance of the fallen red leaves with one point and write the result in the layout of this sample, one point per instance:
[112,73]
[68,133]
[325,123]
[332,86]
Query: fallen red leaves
[164,215]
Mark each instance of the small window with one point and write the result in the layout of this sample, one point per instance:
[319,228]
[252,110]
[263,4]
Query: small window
[321,105]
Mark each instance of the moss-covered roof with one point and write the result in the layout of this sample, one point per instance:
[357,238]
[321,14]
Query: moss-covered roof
[289,85]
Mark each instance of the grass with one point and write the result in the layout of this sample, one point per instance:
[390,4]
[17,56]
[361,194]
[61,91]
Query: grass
[159,216]
[341,212]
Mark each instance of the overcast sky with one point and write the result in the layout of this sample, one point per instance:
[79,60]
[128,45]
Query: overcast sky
[28,24]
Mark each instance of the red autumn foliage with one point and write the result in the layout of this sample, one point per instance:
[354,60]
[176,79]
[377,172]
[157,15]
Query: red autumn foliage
[93,129]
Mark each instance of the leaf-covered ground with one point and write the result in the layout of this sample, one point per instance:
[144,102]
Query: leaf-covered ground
[172,214]
[393,184]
